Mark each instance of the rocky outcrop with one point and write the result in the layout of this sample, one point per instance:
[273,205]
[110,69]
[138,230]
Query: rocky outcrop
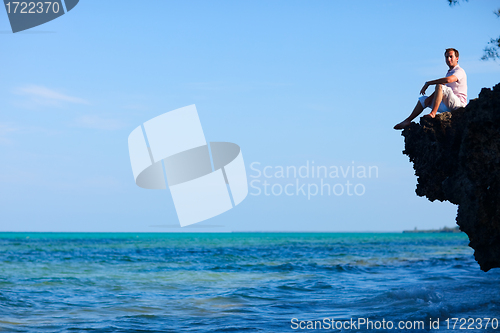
[456,157]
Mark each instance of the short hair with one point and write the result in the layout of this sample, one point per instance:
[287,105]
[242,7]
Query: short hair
[452,49]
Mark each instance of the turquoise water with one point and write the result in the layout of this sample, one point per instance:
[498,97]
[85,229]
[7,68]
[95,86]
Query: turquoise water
[237,282]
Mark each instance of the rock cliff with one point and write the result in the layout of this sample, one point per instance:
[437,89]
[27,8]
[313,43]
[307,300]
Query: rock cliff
[456,157]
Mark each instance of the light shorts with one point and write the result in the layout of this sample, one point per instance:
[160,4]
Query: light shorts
[450,101]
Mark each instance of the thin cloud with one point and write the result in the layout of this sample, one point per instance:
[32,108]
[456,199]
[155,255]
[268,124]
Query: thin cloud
[481,67]
[231,86]
[470,65]
[39,95]
[97,122]
[5,130]
[136,107]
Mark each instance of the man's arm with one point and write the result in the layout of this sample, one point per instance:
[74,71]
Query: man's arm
[443,80]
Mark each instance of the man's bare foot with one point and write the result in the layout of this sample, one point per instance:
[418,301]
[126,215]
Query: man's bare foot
[430,115]
[403,124]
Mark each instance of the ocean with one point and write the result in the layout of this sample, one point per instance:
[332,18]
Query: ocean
[244,282]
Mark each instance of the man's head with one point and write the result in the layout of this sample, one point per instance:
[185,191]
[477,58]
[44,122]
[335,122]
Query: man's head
[451,57]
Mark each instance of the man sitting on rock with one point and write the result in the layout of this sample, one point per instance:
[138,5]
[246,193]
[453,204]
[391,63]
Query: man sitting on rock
[450,92]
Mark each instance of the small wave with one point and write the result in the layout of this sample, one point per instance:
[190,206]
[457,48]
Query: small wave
[416,294]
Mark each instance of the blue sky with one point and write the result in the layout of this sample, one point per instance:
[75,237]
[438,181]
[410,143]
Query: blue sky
[290,82]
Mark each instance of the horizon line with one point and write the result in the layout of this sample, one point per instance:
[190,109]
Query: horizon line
[193,231]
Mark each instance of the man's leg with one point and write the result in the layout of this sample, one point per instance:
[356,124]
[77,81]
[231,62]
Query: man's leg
[416,111]
[438,97]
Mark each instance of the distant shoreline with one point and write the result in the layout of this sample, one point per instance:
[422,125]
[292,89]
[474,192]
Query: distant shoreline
[432,231]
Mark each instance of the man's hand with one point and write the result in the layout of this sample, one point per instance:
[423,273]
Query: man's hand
[424,88]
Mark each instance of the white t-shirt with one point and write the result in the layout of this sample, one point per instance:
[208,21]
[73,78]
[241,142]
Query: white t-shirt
[459,87]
